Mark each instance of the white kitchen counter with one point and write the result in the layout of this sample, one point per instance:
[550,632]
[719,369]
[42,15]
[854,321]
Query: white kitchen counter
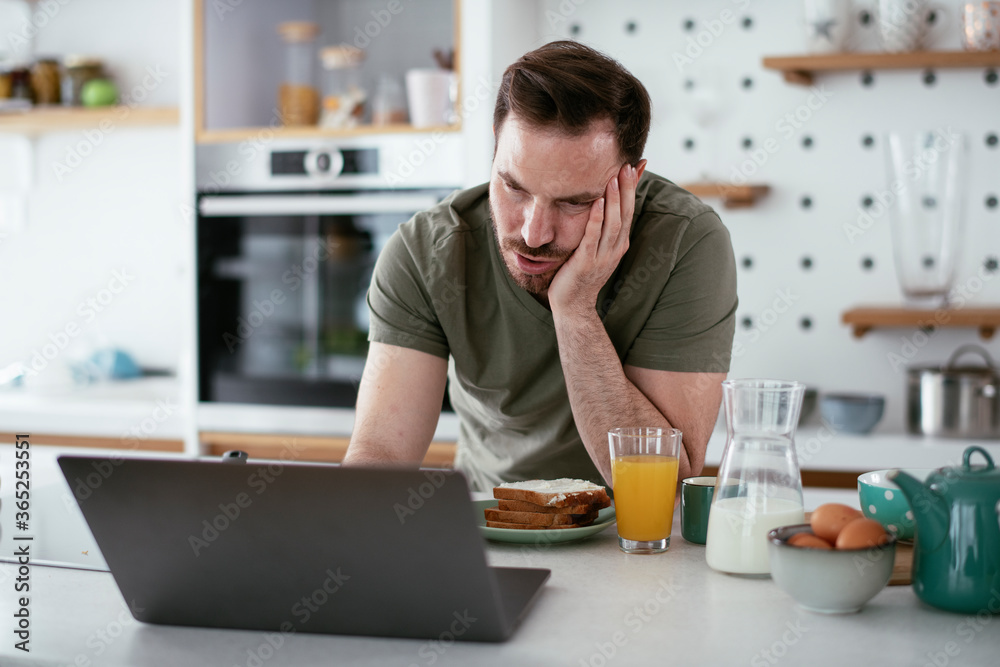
[819,448]
[664,609]
[111,409]
[104,409]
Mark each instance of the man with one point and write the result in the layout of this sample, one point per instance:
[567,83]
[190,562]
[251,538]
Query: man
[572,294]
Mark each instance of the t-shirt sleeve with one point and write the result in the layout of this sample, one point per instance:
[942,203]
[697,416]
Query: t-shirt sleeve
[692,324]
[402,312]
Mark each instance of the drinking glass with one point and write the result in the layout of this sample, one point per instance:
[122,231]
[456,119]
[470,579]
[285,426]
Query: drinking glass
[925,199]
[644,468]
[759,486]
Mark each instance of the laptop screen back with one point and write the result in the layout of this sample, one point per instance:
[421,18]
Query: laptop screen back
[291,548]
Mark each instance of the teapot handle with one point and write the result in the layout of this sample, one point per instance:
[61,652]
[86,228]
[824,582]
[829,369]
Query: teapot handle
[968,455]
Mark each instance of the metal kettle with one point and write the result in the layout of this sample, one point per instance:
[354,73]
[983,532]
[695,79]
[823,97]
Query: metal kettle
[956,551]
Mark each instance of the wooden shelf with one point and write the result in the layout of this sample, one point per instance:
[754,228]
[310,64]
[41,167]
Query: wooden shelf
[238,134]
[56,119]
[865,318]
[801,69]
[733,196]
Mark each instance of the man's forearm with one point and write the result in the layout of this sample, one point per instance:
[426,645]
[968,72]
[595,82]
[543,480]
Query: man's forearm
[600,394]
[385,440]
[399,402]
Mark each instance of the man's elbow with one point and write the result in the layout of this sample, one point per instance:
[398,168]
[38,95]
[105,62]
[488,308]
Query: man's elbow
[366,455]
[696,455]
[363,456]
[697,467]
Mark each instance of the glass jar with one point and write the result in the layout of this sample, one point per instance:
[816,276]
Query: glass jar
[389,105]
[20,84]
[6,82]
[79,70]
[45,81]
[343,96]
[298,97]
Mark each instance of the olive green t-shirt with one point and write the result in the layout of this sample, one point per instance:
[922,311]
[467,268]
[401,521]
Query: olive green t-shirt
[440,286]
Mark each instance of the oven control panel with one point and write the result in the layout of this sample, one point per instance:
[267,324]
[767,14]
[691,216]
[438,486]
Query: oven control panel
[330,162]
[406,160]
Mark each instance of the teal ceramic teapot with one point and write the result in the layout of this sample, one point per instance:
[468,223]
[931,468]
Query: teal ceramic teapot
[956,550]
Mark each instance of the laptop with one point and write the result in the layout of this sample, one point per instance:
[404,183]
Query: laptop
[287,548]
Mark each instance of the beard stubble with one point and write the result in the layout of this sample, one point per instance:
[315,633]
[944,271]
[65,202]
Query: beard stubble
[536,285]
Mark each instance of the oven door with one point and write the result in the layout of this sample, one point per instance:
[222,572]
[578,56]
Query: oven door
[282,284]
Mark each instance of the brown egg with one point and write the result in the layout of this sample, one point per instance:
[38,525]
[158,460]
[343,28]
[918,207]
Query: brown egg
[808,541]
[862,534]
[828,519]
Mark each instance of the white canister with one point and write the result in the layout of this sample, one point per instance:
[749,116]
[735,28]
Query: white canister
[430,94]
[828,25]
[981,26]
[904,25]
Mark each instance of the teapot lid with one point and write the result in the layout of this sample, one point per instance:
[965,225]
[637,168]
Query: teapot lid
[967,472]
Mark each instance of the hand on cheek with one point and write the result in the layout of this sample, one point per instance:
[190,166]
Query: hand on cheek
[577,283]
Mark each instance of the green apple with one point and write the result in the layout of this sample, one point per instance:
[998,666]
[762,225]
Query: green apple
[99,93]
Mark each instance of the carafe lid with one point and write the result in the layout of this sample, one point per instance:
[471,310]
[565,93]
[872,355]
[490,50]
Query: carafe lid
[341,56]
[74,61]
[295,32]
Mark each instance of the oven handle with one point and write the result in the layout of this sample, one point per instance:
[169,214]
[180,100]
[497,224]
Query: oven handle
[314,204]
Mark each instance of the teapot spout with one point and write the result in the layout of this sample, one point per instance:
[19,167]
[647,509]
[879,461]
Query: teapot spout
[929,509]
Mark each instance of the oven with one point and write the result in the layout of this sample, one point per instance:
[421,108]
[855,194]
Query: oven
[287,235]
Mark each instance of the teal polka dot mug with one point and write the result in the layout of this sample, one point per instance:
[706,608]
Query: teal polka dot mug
[883,501]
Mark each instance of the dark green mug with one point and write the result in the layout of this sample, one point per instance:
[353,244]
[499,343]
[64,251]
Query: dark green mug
[696,501]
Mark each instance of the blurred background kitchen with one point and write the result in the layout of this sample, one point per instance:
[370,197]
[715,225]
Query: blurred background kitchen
[192,195]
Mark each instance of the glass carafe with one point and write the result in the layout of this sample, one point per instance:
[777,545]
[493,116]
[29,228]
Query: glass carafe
[759,486]
[924,199]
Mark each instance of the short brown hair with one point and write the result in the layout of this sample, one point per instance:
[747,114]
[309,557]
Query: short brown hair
[568,85]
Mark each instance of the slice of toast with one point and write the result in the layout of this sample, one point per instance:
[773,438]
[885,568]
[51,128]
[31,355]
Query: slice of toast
[552,492]
[522,506]
[538,518]
[528,526]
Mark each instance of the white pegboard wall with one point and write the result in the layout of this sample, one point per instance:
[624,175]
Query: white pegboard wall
[716,108]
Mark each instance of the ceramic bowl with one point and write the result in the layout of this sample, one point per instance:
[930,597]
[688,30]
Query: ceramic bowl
[883,501]
[839,581]
[852,413]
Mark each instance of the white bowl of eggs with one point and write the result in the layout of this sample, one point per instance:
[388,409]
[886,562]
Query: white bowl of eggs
[835,563]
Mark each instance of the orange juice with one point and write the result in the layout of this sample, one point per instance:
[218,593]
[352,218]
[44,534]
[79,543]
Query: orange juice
[645,486]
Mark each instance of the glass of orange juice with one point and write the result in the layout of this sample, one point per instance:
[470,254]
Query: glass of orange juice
[644,466]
